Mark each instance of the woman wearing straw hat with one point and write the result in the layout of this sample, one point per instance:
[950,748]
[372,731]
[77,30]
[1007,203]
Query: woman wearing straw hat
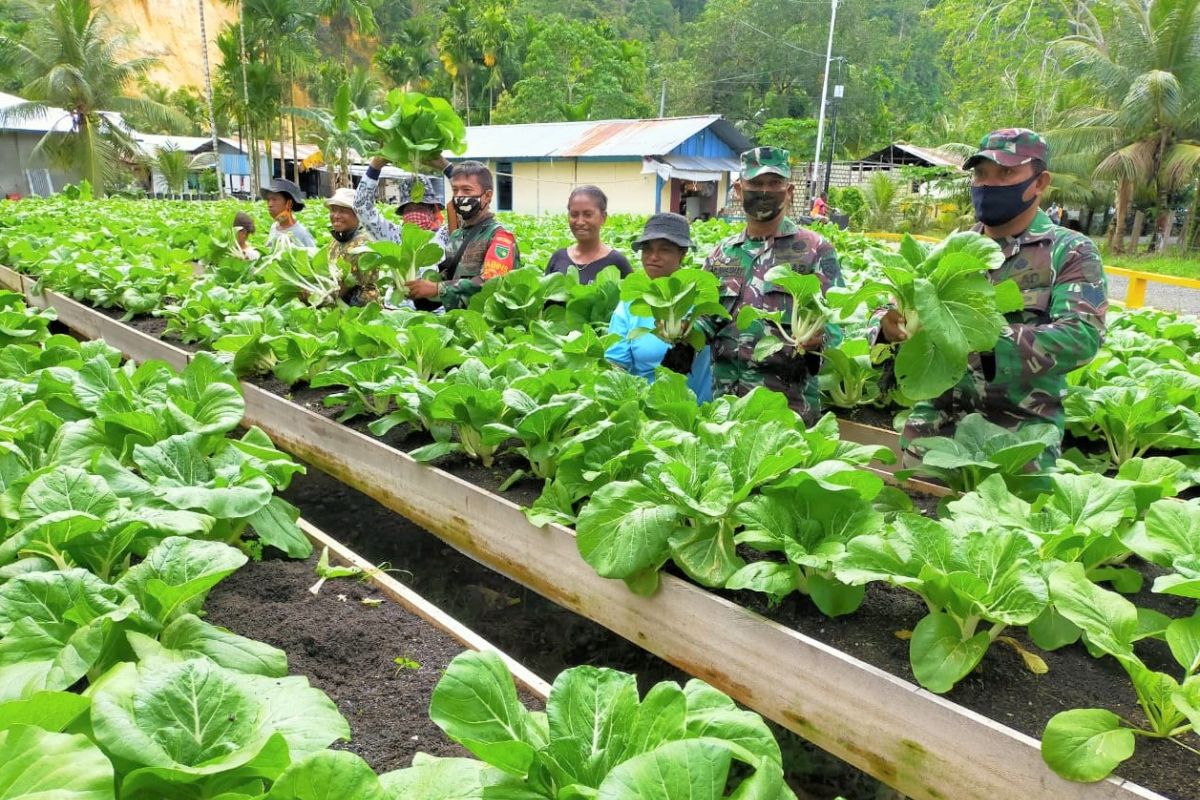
[284,199]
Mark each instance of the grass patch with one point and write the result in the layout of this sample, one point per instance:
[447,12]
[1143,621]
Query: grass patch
[1163,265]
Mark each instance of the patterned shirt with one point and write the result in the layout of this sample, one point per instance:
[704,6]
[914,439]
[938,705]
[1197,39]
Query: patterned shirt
[741,264]
[381,229]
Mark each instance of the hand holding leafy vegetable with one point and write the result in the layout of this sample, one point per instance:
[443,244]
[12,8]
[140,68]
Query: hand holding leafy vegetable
[412,128]
[402,263]
[674,301]
[947,307]
[796,329]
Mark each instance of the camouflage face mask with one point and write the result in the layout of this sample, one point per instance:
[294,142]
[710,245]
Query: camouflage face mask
[763,206]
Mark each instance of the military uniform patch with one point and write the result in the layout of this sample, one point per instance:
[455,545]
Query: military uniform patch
[500,258]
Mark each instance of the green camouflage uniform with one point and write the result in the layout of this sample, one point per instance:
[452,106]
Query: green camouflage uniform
[361,289]
[741,264]
[488,251]
[1062,326]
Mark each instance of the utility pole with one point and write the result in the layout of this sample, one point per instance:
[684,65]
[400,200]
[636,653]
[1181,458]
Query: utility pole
[838,92]
[662,100]
[824,94]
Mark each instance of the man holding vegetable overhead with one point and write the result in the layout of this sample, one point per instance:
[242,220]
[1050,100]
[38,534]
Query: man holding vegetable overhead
[755,268]
[1062,284]
[479,249]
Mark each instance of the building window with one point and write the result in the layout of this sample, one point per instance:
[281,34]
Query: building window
[504,185]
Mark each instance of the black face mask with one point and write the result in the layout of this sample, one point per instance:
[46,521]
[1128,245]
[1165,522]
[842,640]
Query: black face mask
[467,207]
[999,205]
[763,206]
[343,236]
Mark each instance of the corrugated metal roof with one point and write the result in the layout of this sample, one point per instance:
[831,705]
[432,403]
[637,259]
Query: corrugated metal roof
[909,153]
[625,138]
[49,119]
[151,143]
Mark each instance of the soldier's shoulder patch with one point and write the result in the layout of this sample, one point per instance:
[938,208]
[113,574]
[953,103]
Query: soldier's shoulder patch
[501,255]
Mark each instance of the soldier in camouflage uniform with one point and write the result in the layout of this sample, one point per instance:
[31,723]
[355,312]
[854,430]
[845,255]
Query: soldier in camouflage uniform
[1062,282]
[742,261]
[358,288]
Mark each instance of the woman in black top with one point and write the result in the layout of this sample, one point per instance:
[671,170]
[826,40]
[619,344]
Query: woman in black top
[587,211]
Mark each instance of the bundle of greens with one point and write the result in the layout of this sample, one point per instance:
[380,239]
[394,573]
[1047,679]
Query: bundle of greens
[950,307]
[805,321]
[412,128]
[397,264]
[675,302]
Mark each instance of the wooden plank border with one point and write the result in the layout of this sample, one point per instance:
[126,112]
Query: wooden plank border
[922,744]
[408,599]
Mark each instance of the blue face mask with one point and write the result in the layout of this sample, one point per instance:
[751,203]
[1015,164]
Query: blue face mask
[999,205]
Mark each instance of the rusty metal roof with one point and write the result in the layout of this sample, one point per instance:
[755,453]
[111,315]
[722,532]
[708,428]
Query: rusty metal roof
[626,138]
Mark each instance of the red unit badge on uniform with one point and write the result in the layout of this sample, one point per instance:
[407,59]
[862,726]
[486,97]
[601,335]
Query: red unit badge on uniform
[500,256]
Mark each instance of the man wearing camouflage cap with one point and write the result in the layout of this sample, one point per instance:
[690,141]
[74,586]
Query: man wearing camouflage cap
[741,263]
[1062,282]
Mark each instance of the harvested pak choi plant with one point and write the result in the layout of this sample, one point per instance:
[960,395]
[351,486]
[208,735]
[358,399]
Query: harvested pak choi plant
[674,301]
[950,307]
[412,128]
[804,323]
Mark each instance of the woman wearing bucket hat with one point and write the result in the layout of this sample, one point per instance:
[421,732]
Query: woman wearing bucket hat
[284,199]
[663,245]
[358,288]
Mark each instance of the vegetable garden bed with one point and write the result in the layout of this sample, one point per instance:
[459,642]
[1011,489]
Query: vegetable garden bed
[378,660]
[920,743]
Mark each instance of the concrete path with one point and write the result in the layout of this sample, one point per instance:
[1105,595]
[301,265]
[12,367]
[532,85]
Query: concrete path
[1161,296]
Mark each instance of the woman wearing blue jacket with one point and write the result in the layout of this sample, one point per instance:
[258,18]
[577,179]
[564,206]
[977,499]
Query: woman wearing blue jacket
[664,243]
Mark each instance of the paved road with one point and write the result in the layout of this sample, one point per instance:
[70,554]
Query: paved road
[1167,298]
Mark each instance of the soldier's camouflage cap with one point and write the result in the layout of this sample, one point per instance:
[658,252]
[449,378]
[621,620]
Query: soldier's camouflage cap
[1011,147]
[766,161]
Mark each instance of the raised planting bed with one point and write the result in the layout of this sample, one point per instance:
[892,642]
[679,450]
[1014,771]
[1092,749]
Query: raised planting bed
[349,649]
[923,744]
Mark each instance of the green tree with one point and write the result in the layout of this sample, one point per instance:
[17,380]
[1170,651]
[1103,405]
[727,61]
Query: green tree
[249,92]
[458,48]
[346,17]
[1001,67]
[410,60]
[570,61]
[336,134]
[1142,64]
[284,32]
[798,136]
[71,59]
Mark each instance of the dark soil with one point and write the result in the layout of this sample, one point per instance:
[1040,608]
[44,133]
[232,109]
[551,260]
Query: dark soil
[545,637]
[870,415]
[549,639]
[348,650]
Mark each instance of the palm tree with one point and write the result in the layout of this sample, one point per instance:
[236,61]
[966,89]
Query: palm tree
[1143,66]
[882,195]
[409,60]
[345,15]
[254,102]
[457,47]
[337,134]
[73,59]
[495,34]
[284,33]
[172,163]
[243,61]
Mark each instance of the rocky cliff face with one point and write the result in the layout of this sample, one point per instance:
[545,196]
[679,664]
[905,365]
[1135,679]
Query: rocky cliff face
[170,30]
